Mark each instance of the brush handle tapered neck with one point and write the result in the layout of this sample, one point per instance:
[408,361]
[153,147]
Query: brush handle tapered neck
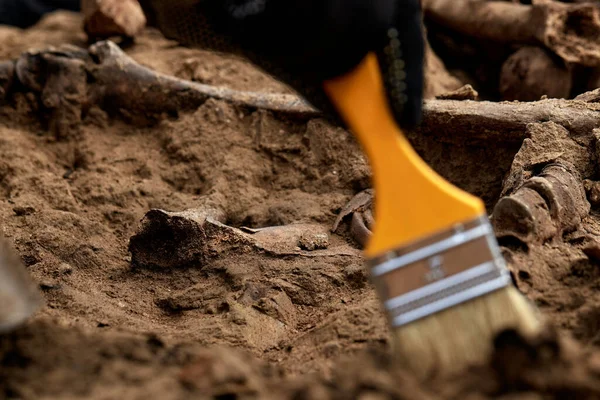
[411,200]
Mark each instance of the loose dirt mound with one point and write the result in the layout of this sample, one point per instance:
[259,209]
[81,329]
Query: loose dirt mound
[250,316]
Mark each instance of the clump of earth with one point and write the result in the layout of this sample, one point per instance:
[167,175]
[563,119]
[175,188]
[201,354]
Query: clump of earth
[253,320]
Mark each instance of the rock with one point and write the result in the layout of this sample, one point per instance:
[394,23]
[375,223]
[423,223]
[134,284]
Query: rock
[592,250]
[592,189]
[532,72]
[356,275]
[312,241]
[23,210]
[106,18]
[65,268]
[465,92]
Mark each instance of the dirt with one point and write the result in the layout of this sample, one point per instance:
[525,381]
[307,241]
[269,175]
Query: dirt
[530,73]
[298,320]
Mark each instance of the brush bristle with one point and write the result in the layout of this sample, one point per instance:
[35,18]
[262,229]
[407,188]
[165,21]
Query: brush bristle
[463,335]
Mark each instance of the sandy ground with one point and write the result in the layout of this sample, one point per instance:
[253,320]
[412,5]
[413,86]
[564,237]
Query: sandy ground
[246,323]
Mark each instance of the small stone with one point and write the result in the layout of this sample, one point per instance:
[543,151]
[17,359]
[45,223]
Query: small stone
[106,18]
[594,362]
[331,349]
[592,189]
[356,275]
[97,117]
[372,395]
[65,268]
[238,318]
[592,250]
[49,285]
[465,92]
[313,241]
[22,211]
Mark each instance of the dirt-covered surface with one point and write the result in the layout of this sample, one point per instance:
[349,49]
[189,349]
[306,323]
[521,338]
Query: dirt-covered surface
[248,322]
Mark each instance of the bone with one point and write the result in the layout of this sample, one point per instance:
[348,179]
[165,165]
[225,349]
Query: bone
[544,196]
[451,121]
[19,295]
[531,72]
[119,85]
[465,92]
[544,208]
[193,237]
[569,30]
[523,215]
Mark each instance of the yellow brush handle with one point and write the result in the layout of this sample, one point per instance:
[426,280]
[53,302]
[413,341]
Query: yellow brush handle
[411,200]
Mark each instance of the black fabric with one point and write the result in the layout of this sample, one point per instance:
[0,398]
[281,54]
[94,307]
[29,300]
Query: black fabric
[315,38]
[24,13]
[303,42]
[405,90]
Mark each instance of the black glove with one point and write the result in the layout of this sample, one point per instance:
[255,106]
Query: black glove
[25,13]
[304,42]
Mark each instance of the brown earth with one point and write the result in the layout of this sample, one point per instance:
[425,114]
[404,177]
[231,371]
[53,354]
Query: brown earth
[248,323]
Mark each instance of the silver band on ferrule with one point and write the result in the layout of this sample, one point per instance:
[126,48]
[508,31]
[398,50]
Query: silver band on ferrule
[432,275]
[457,239]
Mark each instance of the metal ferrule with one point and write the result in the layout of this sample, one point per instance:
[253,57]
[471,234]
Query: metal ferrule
[431,275]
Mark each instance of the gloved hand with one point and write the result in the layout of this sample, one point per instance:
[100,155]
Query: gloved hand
[304,42]
[25,13]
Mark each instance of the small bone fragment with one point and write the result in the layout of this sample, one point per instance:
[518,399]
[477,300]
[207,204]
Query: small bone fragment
[192,237]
